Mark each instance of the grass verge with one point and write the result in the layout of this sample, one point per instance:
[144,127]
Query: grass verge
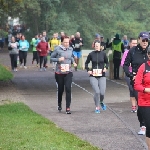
[23,129]
[5,74]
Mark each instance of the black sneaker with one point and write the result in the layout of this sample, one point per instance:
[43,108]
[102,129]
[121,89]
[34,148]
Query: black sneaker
[59,108]
[68,111]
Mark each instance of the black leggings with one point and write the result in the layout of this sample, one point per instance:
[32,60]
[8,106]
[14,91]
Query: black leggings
[36,56]
[64,80]
[145,110]
[116,68]
[43,58]
[13,59]
[23,57]
[139,114]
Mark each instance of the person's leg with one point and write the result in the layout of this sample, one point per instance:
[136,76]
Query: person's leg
[15,61]
[68,82]
[132,98]
[34,56]
[41,61]
[102,86]
[95,87]
[145,110]
[115,67]
[21,57]
[60,83]
[11,60]
[25,58]
[75,58]
[45,62]
[118,61]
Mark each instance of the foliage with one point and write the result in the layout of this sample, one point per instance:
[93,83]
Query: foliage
[5,74]
[88,17]
[22,128]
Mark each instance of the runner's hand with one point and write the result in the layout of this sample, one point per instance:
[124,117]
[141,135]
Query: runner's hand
[104,70]
[90,72]
[147,90]
[61,59]
[75,65]
[80,44]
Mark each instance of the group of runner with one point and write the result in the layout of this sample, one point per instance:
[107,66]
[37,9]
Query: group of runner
[65,51]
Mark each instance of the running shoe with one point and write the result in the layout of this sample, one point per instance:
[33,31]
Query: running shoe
[59,108]
[44,68]
[25,67]
[103,106]
[68,111]
[97,111]
[134,110]
[41,69]
[142,130]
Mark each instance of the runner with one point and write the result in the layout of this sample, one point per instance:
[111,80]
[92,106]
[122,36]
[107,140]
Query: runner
[78,43]
[125,42]
[35,53]
[13,53]
[43,50]
[53,43]
[63,75]
[142,85]
[23,50]
[97,39]
[136,57]
[133,42]
[97,75]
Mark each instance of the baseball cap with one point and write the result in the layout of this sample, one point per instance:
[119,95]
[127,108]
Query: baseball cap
[97,35]
[144,35]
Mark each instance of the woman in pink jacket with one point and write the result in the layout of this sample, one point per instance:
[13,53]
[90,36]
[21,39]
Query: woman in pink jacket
[133,42]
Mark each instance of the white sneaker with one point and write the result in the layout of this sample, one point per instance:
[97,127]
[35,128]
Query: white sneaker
[25,67]
[44,68]
[21,65]
[15,70]
[41,69]
[142,130]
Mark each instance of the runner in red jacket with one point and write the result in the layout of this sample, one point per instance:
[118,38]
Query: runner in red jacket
[43,50]
[142,85]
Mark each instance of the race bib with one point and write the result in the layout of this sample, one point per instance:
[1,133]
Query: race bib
[77,45]
[97,72]
[64,67]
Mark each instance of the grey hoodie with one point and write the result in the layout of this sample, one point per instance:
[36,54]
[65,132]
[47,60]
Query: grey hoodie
[61,51]
[14,50]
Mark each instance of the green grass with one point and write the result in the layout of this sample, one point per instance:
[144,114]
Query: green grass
[5,74]
[23,129]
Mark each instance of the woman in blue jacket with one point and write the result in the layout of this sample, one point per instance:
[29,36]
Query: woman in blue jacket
[23,49]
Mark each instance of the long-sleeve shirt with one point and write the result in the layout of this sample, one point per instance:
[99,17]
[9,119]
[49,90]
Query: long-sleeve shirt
[23,45]
[63,67]
[99,61]
[42,48]
[142,81]
[76,45]
[14,47]
[124,58]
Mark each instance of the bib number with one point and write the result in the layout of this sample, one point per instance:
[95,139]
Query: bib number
[97,72]
[64,67]
[77,45]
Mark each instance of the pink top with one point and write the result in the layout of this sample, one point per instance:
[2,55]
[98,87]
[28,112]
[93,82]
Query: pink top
[123,59]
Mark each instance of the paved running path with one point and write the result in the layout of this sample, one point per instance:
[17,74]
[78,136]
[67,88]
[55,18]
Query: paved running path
[113,129]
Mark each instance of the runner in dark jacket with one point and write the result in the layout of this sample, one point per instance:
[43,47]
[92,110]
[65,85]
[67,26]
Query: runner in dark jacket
[136,57]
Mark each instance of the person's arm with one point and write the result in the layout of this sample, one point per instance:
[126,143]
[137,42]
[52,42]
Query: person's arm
[106,61]
[127,62]
[138,85]
[38,48]
[54,55]
[122,48]
[27,45]
[87,62]
[123,58]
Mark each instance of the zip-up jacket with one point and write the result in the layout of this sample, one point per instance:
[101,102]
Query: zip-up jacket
[99,61]
[23,45]
[142,81]
[136,57]
[61,51]
[33,44]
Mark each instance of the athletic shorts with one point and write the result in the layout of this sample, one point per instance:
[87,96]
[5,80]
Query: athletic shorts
[77,54]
